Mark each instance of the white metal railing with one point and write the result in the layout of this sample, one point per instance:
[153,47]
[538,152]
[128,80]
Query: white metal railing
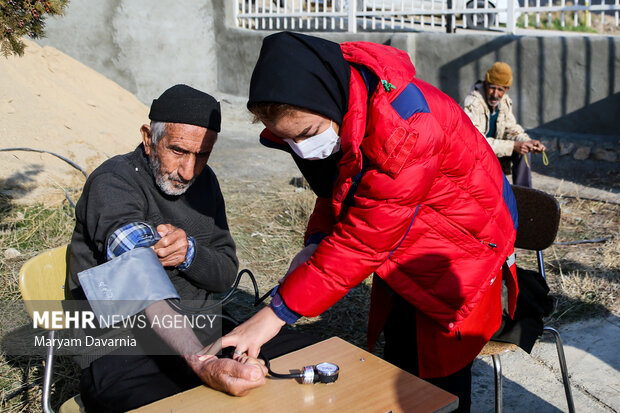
[414,15]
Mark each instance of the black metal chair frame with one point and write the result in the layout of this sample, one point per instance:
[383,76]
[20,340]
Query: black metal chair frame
[539,219]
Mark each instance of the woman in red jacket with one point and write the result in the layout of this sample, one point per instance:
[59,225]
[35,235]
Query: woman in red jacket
[407,189]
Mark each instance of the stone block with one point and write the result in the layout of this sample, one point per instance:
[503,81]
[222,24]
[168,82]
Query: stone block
[566,148]
[11,253]
[604,155]
[550,144]
[582,153]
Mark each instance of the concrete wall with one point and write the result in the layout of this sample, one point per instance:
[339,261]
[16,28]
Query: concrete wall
[237,49]
[566,83]
[142,47]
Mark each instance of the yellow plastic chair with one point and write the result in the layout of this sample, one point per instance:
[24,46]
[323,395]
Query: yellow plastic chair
[539,220]
[42,278]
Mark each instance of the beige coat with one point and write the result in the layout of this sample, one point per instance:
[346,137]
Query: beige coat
[507,129]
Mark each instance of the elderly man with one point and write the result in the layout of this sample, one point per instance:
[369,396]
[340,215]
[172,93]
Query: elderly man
[490,109]
[162,195]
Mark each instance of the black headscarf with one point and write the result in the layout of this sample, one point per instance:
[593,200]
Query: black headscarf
[304,71]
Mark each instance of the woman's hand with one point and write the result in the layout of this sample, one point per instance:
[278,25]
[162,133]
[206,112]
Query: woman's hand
[301,257]
[251,335]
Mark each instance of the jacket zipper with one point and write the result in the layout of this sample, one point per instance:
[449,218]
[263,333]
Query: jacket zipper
[405,236]
[488,244]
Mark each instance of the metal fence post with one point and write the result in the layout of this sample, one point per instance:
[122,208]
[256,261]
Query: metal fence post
[511,22]
[352,23]
[449,23]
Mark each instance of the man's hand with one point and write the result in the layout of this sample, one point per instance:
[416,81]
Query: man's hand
[252,334]
[537,146]
[172,247]
[235,377]
[528,146]
[522,147]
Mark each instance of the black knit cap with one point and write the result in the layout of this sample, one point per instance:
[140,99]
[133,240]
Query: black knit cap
[184,104]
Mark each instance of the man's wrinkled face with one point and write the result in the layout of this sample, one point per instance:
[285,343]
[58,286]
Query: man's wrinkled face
[494,94]
[179,156]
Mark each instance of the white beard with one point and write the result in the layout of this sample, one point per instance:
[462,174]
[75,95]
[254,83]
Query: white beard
[169,183]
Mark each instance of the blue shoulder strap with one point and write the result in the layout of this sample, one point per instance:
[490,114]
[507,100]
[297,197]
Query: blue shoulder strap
[411,100]
[370,79]
[355,182]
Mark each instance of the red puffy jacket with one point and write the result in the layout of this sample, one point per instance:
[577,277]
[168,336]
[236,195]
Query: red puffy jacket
[433,214]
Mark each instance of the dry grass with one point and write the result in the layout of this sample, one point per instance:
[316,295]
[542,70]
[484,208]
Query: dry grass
[584,278]
[31,230]
[599,23]
[268,225]
[267,221]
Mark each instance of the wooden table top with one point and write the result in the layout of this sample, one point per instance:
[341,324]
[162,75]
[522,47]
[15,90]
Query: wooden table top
[366,383]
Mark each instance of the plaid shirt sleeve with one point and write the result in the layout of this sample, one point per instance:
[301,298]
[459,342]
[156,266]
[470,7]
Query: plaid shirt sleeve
[141,234]
[189,255]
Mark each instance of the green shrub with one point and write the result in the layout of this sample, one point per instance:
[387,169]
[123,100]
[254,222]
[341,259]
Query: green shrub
[19,18]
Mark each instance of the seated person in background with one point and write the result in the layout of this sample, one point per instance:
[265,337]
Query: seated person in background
[490,109]
[163,191]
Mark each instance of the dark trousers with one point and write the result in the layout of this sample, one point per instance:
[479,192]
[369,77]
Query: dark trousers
[516,166]
[117,383]
[401,350]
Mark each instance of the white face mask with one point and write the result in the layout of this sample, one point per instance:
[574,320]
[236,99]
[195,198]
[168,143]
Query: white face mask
[318,146]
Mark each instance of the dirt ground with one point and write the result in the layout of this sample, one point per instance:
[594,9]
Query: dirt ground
[266,206]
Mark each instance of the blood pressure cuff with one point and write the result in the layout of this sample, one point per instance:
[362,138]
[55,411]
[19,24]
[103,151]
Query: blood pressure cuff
[127,284]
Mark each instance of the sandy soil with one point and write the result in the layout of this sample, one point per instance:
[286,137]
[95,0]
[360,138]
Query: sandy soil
[50,101]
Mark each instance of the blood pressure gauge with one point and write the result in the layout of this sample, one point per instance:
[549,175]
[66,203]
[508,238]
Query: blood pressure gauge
[321,373]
